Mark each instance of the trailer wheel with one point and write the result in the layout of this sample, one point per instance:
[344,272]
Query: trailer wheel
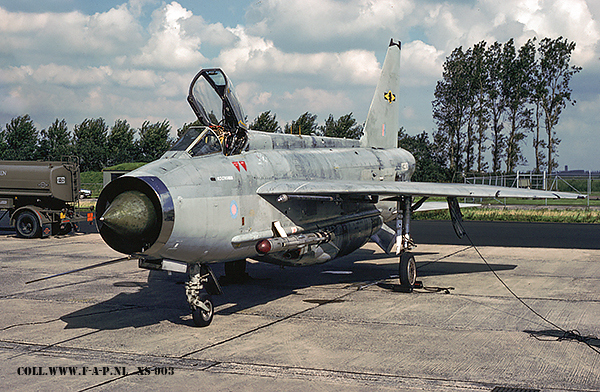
[28,225]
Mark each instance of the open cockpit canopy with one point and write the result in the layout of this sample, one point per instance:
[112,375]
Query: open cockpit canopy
[213,100]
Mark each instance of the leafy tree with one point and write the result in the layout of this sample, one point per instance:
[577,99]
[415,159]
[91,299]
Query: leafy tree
[306,124]
[480,90]
[496,103]
[429,161]
[470,118]
[517,91]
[89,142]
[266,122]
[2,143]
[154,140]
[55,142]
[555,76]
[506,91]
[120,145]
[20,139]
[452,101]
[344,127]
[536,94]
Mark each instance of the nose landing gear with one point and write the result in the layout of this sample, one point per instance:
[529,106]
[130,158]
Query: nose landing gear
[198,290]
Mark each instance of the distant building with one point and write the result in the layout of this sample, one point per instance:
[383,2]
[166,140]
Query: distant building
[111,173]
[576,173]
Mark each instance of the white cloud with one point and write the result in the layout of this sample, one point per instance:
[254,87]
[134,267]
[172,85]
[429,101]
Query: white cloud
[30,36]
[135,78]
[450,25]
[21,22]
[213,34]
[11,102]
[421,64]
[254,98]
[136,6]
[69,76]
[571,19]
[169,46]
[15,75]
[316,101]
[262,98]
[255,55]
[307,22]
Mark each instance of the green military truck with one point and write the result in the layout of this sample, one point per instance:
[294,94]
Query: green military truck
[40,197]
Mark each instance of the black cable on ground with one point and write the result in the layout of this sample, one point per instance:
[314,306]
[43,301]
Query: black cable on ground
[566,334]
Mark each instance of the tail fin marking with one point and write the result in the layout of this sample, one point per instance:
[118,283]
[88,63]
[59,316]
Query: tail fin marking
[383,119]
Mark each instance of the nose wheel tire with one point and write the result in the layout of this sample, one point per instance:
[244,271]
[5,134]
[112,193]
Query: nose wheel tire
[203,318]
[408,271]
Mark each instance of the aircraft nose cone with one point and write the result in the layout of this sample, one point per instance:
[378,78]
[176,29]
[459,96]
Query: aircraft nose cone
[131,214]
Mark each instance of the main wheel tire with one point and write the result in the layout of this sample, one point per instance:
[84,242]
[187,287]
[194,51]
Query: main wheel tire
[28,225]
[408,271]
[201,317]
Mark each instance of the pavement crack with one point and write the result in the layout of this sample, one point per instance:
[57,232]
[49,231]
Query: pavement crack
[55,344]
[31,323]
[95,279]
[269,324]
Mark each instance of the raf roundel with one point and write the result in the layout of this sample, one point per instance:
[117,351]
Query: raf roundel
[233,209]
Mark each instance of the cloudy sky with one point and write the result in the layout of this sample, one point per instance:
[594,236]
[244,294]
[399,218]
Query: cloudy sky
[134,60]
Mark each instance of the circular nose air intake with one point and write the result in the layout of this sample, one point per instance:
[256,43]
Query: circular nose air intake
[135,214]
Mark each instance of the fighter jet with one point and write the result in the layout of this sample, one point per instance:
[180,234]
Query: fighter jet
[224,193]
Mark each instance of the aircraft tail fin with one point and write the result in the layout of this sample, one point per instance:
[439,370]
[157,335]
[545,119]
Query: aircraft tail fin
[383,119]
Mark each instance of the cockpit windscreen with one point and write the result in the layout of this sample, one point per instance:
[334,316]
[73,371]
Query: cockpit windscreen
[198,141]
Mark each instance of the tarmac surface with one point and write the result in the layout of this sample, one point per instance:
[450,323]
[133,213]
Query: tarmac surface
[340,326]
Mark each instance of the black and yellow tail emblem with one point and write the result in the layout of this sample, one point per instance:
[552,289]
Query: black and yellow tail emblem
[389,96]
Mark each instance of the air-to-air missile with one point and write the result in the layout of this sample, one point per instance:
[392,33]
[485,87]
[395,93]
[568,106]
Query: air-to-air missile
[224,193]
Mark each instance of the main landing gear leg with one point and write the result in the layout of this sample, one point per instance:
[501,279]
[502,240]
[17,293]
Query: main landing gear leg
[407,265]
[198,289]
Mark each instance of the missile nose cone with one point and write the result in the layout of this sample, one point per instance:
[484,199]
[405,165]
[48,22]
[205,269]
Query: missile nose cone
[131,214]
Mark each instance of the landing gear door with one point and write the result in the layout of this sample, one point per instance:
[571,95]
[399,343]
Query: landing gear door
[213,99]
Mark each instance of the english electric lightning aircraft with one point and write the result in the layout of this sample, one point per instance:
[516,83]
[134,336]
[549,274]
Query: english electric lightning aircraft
[224,193]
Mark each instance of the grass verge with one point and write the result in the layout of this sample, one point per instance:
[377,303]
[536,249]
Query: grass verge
[515,215]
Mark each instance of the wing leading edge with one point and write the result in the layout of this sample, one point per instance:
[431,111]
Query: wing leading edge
[404,188]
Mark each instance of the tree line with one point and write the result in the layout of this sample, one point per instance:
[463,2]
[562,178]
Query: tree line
[95,143]
[98,146]
[345,126]
[500,94]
